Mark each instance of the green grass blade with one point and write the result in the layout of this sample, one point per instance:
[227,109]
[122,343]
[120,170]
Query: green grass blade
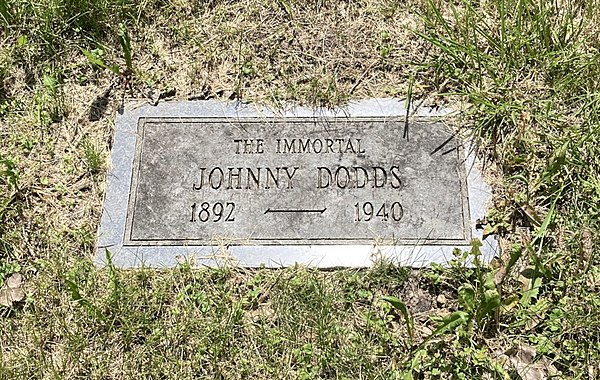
[398,304]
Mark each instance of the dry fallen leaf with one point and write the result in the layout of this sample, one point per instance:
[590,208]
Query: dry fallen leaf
[520,360]
[12,291]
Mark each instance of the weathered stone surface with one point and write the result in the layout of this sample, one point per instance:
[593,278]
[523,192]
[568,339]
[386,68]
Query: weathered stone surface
[324,188]
[296,181]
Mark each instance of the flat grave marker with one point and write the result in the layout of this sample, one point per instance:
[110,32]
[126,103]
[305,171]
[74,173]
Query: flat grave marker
[218,183]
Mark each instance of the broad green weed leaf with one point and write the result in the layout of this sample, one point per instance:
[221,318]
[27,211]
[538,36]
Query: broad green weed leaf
[466,297]
[50,82]
[400,305]
[94,59]
[22,41]
[115,69]
[395,302]
[97,61]
[456,319]
[10,173]
[491,300]
[490,282]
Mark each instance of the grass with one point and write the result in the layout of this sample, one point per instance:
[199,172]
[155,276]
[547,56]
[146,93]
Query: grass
[524,72]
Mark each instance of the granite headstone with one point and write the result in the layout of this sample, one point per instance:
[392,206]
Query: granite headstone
[219,183]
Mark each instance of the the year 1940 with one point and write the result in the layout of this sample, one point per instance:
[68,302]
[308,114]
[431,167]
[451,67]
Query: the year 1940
[366,211]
